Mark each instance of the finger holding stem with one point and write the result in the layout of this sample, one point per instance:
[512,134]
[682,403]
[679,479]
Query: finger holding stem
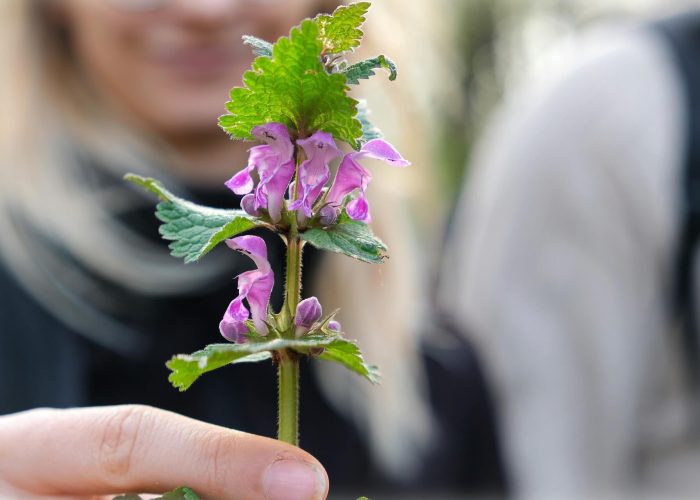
[109,450]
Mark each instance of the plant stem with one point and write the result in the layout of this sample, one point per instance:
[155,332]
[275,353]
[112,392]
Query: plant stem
[292,288]
[288,423]
[293,283]
[288,370]
[288,367]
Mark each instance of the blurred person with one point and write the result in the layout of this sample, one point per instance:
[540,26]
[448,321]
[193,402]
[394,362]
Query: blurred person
[92,304]
[571,266]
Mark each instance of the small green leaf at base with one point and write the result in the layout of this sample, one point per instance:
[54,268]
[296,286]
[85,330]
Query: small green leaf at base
[194,229]
[349,237]
[182,493]
[364,69]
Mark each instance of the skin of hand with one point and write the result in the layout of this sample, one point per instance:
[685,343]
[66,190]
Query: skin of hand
[91,452]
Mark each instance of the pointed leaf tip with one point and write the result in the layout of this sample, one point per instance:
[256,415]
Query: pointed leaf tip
[347,353]
[193,229]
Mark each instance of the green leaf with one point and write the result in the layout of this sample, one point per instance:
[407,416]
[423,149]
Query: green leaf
[347,353]
[193,229]
[365,69]
[293,88]
[260,47]
[341,31]
[182,493]
[187,368]
[369,131]
[349,237]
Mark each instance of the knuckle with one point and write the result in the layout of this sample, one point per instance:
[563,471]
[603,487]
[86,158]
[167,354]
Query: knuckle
[119,440]
[217,448]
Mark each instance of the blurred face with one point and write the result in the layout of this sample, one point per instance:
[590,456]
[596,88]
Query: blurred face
[168,65]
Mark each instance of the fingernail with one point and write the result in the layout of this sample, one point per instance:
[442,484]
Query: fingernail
[293,480]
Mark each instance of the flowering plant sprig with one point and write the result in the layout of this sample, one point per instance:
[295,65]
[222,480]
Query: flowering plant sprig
[295,104]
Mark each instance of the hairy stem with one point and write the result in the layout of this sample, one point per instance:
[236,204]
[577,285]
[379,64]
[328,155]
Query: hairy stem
[288,423]
[288,368]
[293,279]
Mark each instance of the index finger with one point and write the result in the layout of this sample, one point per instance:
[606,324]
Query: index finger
[105,450]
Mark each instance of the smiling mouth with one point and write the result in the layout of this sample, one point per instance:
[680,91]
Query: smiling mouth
[199,62]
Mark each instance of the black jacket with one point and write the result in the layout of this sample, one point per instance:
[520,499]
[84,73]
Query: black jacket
[45,363]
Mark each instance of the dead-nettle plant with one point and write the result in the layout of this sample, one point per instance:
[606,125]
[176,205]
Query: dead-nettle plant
[294,101]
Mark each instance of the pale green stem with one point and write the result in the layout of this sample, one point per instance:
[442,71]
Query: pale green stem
[288,368]
[288,423]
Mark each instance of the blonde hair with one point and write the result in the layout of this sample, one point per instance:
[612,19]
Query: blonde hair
[61,229]
[386,307]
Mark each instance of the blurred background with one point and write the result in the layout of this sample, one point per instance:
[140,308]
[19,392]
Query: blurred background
[458,62]
[503,43]
[546,308]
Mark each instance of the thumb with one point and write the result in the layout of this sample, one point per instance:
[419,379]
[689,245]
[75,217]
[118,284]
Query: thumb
[104,450]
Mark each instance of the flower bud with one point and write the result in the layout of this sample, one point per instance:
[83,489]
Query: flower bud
[328,215]
[334,325]
[308,312]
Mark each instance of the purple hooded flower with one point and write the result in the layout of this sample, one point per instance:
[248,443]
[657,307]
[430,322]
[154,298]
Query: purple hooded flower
[308,312]
[351,176]
[255,286]
[320,149]
[275,165]
[232,326]
[249,205]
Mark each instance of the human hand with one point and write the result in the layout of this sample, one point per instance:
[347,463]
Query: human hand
[109,450]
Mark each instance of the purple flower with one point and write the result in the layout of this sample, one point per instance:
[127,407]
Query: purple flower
[351,176]
[320,149]
[232,326]
[255,286]
[308,312]
[334,325]
[249,206]
[275,165]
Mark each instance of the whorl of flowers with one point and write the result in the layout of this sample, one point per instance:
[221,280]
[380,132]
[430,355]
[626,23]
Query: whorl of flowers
[309,193]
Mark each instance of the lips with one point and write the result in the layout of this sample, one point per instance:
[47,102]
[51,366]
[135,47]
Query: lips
[199,62]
